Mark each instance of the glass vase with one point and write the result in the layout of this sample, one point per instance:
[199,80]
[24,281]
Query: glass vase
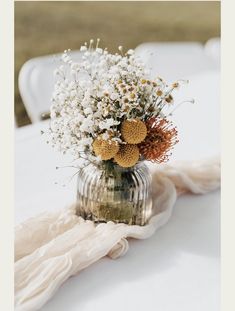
[111,193]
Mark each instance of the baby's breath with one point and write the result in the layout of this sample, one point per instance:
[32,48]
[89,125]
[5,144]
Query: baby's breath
[94,96]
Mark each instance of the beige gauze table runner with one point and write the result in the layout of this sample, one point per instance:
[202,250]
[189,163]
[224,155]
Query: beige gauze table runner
[51,247]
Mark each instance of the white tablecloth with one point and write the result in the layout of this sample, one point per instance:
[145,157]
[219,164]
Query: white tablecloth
[176,269]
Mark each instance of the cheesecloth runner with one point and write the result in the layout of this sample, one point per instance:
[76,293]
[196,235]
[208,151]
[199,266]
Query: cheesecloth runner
[51,247]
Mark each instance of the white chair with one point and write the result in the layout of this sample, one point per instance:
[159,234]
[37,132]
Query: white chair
[212,49]
[175,60]
[36,83]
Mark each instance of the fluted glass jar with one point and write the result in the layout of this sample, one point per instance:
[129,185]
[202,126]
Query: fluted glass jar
[112,193]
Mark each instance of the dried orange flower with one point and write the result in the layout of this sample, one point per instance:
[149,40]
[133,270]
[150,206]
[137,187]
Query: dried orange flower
[160,139]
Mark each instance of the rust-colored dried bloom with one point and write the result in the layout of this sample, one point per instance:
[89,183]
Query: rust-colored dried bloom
[160,139]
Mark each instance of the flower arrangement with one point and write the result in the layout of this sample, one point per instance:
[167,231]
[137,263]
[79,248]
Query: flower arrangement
[105,108]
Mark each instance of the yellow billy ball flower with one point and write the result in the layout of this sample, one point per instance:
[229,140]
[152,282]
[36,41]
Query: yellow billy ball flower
[127,156]
[106,149]
[133,131]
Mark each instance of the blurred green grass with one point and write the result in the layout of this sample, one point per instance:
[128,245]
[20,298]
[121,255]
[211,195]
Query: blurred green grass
[50,27]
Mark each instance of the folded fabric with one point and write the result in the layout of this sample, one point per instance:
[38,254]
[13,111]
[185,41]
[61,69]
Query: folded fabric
[51,247]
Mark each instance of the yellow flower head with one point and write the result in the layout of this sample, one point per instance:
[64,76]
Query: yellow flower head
[106,149]
[133,131]
[127,156]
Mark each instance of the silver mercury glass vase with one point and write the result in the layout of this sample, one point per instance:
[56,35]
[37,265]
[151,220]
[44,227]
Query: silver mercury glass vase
[112,193]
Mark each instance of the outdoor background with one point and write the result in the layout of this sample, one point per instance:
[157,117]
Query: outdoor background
[51,27]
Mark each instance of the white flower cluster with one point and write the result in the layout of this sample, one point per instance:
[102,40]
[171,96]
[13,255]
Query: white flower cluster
[94,96]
